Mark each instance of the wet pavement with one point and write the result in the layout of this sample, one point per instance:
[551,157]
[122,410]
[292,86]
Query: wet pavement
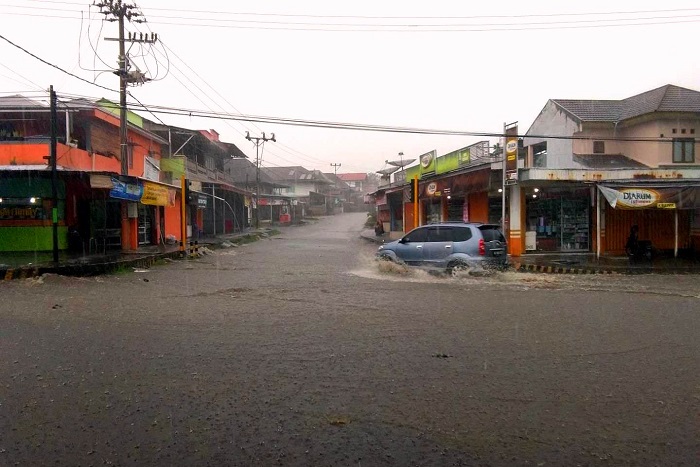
[587,263]
[298,349]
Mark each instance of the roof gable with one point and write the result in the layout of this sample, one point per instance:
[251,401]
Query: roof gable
[668,98]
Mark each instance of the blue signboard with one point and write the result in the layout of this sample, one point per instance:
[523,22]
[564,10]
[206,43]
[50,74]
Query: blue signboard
[126,191]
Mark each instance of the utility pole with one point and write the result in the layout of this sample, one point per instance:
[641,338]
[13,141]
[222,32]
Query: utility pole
[119,11]
[258,141]
[335,168]
[54,173]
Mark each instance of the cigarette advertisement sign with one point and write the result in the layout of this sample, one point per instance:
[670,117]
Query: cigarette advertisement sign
[652,197]
[511,155]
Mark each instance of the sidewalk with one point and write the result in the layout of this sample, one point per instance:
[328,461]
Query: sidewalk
[586,263]
[32,264]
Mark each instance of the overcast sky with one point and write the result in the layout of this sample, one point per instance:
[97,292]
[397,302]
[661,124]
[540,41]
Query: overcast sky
[445,64]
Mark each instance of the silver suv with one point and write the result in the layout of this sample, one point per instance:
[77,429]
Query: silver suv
[453,247]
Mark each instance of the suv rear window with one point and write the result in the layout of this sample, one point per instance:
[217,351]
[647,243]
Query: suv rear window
[491,233]
[461,234]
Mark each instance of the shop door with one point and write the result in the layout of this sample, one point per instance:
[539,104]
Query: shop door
[433,212]
[574,225]
[455,210]
[146,224]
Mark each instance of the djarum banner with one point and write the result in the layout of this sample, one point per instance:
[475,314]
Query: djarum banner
[629,197]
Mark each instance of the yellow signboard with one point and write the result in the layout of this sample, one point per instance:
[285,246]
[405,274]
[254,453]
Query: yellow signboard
[153,194]
[666,205]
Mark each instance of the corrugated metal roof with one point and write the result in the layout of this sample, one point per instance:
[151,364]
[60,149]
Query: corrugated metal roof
[607,161]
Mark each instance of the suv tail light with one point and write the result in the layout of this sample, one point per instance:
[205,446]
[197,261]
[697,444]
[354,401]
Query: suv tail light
[482,247]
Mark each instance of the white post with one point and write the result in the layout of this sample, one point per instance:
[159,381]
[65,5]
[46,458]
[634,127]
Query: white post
[503,183]
[597,222]
[67,128]
[675,233]
[213,211]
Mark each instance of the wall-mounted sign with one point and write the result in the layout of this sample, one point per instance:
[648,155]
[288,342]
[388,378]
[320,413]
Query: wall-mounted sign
[151,168]
[21,212]
[125,191]
[511,155]
[431,188]
[427,162]
[154,194]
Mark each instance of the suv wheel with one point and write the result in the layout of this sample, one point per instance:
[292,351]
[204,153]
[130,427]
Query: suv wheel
[458,269]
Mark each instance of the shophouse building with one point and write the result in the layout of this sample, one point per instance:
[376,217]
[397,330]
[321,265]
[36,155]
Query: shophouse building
[595,168]
[99,207]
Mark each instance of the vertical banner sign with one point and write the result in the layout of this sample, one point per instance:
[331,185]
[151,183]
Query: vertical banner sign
[511,177]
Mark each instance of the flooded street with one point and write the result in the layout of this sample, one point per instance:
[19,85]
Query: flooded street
[300,349]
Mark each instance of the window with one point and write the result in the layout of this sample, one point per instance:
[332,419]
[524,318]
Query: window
[209,163]
[461,234]
[419,235]
[130,155]
[598,147]
[683,150]
[440,234]
[539,155]
[491,233]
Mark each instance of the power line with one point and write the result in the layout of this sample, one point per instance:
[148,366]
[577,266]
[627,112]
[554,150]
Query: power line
[379,128]
[52,65]
[291,15]
[415,28]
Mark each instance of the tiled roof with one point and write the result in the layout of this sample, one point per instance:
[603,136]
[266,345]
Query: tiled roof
[590,110]
[667,98]
[353,177]
[289,173]
[243,171]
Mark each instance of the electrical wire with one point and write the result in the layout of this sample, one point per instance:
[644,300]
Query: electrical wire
[378,128]
[52,65]
[290,15]
[417,27]
[27,80]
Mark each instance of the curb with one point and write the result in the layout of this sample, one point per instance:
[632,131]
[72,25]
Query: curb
[91,269]
[519,267]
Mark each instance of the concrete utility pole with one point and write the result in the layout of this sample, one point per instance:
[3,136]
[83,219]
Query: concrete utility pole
[54,174]
[258,141]
[118,10]
[335,168]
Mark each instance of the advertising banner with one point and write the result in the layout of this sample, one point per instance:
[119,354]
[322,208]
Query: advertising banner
[427,162]
[125,191]
[512,155]
[151,168]
[464,156]
[652,197]
[155,195]
[20,212]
